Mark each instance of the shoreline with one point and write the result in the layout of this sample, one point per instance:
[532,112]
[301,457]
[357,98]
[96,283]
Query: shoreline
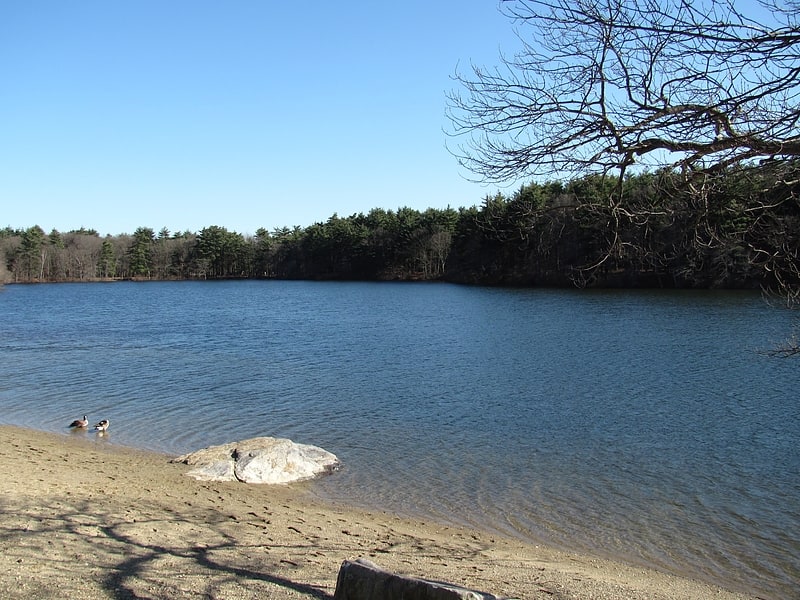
[90,520]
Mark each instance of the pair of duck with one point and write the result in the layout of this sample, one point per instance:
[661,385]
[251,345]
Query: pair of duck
[84,422]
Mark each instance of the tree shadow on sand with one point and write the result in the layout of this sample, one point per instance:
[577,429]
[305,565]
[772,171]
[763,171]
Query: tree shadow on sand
[126,555]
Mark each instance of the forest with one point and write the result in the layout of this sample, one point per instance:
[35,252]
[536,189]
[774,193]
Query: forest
[741,233]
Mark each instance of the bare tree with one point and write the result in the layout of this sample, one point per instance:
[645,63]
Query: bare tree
[82,252]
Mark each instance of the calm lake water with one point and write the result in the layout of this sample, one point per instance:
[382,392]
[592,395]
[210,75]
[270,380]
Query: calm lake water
[645,426]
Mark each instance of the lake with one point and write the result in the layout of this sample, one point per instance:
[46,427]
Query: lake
[647,426]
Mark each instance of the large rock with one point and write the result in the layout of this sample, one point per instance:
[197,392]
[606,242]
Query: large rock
[260,460]
[364,580]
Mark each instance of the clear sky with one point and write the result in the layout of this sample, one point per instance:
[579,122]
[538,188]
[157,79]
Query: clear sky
[251,113]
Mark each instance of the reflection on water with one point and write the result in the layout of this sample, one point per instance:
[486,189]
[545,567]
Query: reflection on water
[640,425]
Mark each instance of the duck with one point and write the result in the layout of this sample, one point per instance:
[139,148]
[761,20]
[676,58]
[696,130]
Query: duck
[102,425]
[79,423]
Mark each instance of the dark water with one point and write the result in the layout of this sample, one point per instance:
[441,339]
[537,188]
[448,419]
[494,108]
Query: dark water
[645,426]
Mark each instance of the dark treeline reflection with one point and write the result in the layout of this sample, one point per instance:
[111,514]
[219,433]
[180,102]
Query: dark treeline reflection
[743,233]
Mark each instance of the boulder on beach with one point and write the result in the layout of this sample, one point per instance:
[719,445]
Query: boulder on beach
[260,460]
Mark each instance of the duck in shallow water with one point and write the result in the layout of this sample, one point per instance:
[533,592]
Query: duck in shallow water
[102,425]
[79,423]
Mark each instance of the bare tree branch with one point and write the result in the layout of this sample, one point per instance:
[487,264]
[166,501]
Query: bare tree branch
[602,86]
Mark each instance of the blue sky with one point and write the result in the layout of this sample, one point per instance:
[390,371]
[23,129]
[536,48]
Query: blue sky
[190,113]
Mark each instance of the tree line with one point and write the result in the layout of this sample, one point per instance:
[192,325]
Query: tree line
[742,233]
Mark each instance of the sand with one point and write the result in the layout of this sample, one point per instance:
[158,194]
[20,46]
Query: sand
[85,519]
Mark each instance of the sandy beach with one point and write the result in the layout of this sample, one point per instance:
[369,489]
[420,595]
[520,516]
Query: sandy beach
[85,519]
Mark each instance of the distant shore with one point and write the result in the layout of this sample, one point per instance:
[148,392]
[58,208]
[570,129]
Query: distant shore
[87,520]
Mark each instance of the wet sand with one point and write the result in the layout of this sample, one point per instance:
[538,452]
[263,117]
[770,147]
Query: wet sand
[85,519]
